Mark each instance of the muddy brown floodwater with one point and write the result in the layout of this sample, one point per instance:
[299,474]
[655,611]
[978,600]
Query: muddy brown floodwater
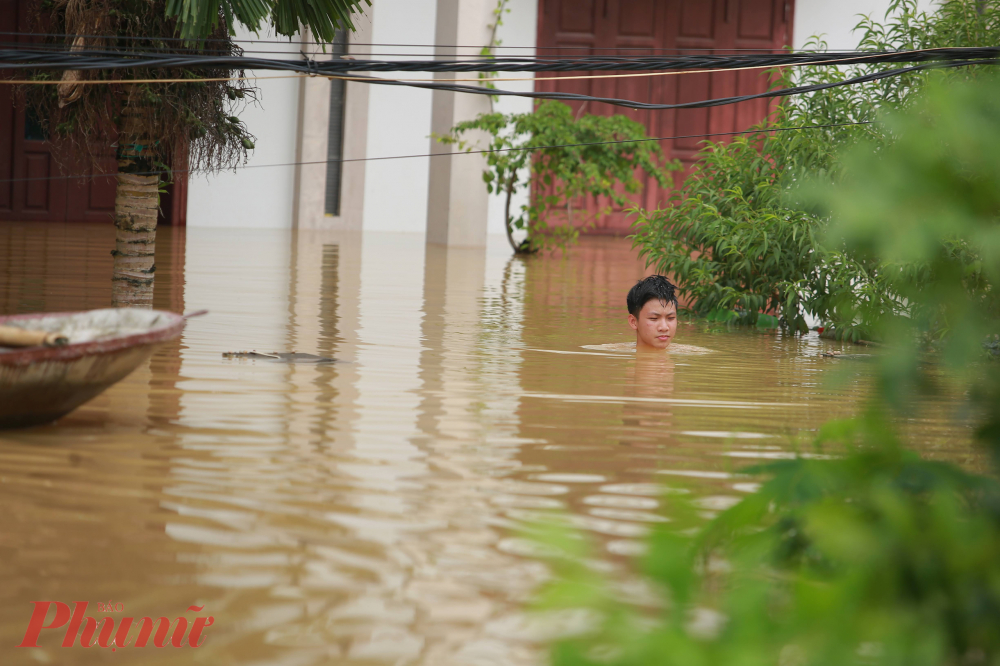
[366,511]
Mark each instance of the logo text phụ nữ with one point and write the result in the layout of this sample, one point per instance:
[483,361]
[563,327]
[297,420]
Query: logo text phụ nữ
[111,632]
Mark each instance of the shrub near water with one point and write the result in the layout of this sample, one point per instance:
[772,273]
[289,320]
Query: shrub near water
[560,157]
[875,556]
[735,246]
[739,240]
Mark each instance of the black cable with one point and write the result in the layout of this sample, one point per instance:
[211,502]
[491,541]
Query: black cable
[82,60]
[140,49]
[938,59]
[758,130]
[65,48]
[632,104]
[86,60]
[408,45]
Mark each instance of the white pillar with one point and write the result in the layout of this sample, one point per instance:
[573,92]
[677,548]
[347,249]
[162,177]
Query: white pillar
[310,149]
[309,204]
[352,183]
[457,197]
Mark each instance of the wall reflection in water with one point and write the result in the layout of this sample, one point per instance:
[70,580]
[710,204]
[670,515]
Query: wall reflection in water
[364,511]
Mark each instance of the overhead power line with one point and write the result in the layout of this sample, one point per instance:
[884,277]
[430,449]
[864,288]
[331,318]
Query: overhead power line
[845,60]
[700,104]
[133,50]
[931,58]
[450,81]
[28,58]
[477,47]
[755,130]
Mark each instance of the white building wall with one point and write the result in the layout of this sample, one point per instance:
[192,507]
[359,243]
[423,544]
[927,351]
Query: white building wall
[835,21]
[398,123]
[399,120]
[519,30]
[457,199]
[262,196]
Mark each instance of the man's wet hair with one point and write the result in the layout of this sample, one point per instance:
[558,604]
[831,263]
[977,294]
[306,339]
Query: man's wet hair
[646,289]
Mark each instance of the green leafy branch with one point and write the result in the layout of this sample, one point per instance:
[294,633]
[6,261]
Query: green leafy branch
[741,240]
[859,552]
[560,158]
[489,51]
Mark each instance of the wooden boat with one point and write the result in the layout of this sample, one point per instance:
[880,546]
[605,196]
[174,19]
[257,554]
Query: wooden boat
[40,384]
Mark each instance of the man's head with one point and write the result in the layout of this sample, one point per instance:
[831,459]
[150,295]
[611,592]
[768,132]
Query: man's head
[652,313]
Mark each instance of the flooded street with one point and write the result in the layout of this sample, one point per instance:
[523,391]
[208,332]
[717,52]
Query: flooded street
[366,511]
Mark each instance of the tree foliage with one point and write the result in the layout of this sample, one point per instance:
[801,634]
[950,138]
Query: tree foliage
[198,19]
[739,239]
[739,251]
[560,157]
[869,554]
[197,119]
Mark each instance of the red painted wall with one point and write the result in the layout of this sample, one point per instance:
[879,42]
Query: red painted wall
[33,184]
[646,27]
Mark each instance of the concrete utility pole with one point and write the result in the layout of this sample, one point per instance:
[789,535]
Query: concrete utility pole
[457,197]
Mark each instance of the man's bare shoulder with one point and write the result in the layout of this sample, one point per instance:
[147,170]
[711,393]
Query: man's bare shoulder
[629,347]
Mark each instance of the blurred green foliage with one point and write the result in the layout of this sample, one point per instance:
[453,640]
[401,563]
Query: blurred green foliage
[564,158]
[862,552]
[925,207]
[737,237]
[198,19]
[735,246]
[875,558]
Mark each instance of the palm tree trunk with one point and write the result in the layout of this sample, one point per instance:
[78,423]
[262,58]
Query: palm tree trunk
[136,206]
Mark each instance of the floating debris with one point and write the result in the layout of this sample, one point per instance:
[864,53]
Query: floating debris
[856,357]
[45,379]
[281,357]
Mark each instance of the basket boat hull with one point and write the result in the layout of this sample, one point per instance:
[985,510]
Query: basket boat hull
[41,384]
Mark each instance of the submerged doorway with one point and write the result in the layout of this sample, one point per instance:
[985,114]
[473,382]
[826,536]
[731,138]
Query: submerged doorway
[34,186]
[647,27]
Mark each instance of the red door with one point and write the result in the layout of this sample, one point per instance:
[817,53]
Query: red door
[643,27]
[34,186]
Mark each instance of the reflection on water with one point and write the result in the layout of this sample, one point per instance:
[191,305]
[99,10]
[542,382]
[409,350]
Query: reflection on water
[365,511]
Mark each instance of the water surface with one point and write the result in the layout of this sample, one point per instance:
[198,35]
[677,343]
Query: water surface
[365,512]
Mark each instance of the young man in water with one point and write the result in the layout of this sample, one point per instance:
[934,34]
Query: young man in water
[652,313]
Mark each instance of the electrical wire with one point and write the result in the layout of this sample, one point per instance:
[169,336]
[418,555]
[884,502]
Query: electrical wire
[87,60]
[701,104]
[391,44]
[757,130]
[934,59]
[492,80]
[563,96]
[64,48]
[132,49]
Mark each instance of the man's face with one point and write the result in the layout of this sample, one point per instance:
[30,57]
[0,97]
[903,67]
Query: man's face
[655,326]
